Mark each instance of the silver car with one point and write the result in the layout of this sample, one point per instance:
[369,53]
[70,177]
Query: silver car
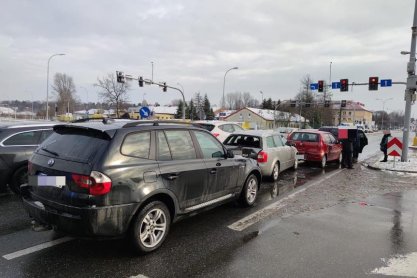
[268,147]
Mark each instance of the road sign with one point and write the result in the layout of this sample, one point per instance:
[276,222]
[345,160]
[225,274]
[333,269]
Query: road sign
[144,112]
[335,85]
[386,82]
[314,86]
[395,146]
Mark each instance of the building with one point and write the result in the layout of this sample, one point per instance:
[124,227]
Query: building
[354,113]
[157,112]
[255,118]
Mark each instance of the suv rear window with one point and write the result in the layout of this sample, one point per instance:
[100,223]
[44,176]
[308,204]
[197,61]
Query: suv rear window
[74,145]
[305,137]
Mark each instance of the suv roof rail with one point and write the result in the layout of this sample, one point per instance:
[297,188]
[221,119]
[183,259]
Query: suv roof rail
[156,123]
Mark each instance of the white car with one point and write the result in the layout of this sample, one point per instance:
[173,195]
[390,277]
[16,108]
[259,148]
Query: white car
[220,129]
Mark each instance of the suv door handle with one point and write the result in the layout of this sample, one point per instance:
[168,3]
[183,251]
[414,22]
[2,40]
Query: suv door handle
[172,177]
[213,171]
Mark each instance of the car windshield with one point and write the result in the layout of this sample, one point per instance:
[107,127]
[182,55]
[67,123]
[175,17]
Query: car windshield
[305,137]
[243,141]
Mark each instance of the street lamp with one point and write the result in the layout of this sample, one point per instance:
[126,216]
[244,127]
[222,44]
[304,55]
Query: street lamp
[383,109]
[262,93]
[47,83]
[224,83]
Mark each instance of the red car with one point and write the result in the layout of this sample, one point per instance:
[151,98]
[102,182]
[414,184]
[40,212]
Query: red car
[318,146]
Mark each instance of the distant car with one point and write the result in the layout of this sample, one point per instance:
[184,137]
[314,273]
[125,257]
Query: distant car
[18,140]
[316,146]
[268,147]
[219,129]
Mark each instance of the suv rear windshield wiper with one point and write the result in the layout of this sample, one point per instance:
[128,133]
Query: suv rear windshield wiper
[49,151]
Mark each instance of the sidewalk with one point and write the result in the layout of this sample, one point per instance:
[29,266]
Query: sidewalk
[398,166]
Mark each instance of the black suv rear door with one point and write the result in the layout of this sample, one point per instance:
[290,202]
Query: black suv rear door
[182,170]
[222,172]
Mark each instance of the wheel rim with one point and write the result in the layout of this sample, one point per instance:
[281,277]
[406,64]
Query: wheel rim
[252,190]
[153,228]
[275,172]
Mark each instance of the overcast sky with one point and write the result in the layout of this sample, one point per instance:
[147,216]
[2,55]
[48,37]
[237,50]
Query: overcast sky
[274,43]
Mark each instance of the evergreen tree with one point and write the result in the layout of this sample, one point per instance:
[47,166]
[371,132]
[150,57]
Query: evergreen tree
[191,112]
[208,111]
[178,115]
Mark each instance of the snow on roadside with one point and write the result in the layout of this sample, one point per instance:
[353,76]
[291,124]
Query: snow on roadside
[409,166]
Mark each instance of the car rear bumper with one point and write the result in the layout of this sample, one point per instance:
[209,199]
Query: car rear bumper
[108,221]
[313,156]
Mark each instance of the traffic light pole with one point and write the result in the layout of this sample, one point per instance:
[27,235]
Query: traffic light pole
[411,87]
[151,82]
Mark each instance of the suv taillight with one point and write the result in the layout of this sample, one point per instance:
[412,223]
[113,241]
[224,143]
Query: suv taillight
[96,184]
[262,157]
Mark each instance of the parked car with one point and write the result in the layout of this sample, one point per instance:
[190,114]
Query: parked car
[316,146]
[108,180]
[220,129]
[357,135]
[268,147]
[17,142]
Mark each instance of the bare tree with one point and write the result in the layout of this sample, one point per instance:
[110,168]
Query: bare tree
[64,89]
[113,92]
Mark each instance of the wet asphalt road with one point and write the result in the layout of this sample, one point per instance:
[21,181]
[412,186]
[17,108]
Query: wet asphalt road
[330,223]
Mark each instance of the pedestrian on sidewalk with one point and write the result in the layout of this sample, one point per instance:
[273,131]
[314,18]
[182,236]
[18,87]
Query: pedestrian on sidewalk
[384,144]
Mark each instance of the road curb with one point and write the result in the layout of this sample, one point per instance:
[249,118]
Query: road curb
[367,165]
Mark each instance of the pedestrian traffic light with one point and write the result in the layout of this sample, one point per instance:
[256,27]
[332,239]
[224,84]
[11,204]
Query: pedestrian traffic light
[140,81]
[344,85]
[293,103]
[327,103]
[373,83]
[321,86]
[164,88]
[343,103]
[120,77]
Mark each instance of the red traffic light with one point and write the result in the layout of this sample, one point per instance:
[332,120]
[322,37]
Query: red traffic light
[373,83]
[344,85]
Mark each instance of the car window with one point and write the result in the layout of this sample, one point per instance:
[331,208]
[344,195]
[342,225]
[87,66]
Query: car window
[164,153]
[305,137]
[283,139]
[332,139]
[45,134]
[243,141]
[180,144]
[137,144]
[237,128]
[208,127]
[278,141]
[270,143]
[228,128]
[23,139]
[209,145]
[326,139]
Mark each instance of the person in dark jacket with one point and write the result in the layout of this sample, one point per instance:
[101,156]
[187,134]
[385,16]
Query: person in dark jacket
[384,144]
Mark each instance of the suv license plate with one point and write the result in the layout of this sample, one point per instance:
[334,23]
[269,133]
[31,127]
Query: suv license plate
[300,157]
[55,181]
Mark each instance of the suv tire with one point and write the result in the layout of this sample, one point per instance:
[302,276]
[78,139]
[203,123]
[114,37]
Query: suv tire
[18,178]
[249,191]
[150,227]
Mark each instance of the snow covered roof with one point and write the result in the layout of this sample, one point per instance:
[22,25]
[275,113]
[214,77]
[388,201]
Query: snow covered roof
[6,110]
[268,115]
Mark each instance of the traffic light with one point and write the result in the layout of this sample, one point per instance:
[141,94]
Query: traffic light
[293,103]
[140,81]
[343,103]
[321,86]
[164,88]
[327,103]
[373,83]
[120,77]
[344,85]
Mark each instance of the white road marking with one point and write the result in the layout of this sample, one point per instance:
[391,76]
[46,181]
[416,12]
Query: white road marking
[36,248]
[257,216]
[139,276]
[401,265]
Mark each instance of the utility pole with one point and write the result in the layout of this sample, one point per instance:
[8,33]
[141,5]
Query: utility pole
[411,87]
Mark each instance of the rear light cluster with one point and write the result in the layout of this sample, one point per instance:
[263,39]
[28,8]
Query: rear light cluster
[96,183]
[262,157]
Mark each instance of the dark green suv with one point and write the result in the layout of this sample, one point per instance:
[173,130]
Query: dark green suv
[135,178]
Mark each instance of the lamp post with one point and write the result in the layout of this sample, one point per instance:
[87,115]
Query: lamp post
[383,109]
[183,98]
[224,83]
[262,99]
[47,83]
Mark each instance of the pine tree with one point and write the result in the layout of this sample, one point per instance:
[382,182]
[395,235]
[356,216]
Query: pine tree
[208,111]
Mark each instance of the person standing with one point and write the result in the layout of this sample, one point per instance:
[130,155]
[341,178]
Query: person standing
[384,144]
[347,153]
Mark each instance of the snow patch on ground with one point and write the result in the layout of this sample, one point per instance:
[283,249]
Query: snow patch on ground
[409,166]
[405,266]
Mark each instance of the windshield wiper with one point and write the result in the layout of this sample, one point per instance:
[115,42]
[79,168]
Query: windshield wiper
[49,151]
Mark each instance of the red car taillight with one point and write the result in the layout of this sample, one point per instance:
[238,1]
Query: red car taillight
[96,184]
[216,134]
[262,157]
